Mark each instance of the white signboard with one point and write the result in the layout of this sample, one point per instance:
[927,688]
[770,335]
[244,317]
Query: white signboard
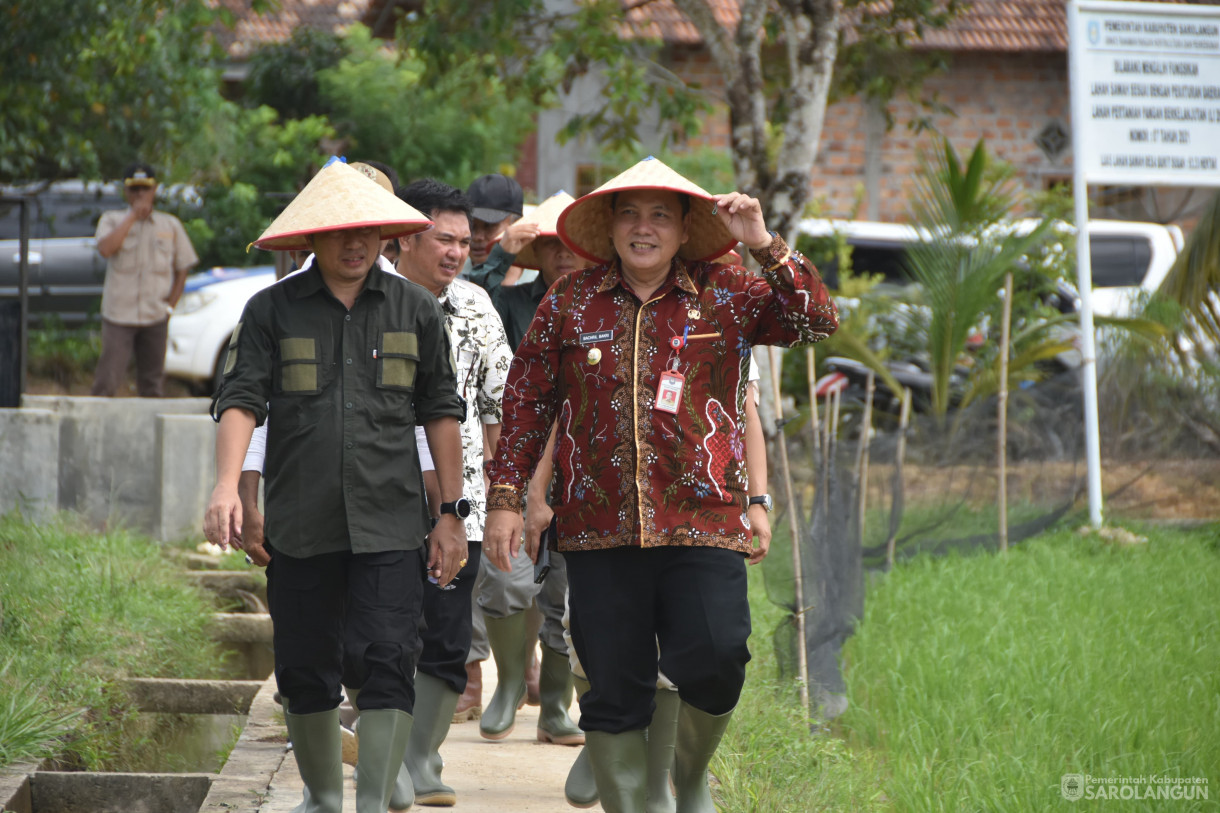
[1146,93]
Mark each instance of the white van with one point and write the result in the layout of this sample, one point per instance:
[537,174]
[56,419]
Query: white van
[1128,257]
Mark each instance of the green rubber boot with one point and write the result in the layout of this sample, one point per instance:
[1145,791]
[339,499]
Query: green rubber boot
[661,734]
[510,645]
[383,741]
[422,765]
[620,765]
[555,693]
[315,744]
[580,789]
[699,734]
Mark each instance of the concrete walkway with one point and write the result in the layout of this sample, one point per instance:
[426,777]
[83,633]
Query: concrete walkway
[515,775]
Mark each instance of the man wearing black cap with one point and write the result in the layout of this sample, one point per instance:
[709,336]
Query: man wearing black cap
[148,257]
[498,203]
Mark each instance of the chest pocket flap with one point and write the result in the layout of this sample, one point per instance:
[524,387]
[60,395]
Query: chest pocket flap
[396,360]
[299,365]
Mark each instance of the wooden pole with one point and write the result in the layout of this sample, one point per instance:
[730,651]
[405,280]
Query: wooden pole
[794,530]
[1002,442]
[866,423]
[904,418]
[811,373]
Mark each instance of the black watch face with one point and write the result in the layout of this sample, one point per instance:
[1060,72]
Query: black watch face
[462,508]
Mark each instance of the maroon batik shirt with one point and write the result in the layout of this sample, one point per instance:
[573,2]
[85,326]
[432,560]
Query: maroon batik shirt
[626,472]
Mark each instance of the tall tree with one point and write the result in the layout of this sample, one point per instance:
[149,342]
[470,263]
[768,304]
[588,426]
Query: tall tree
[777,101]
[87,87]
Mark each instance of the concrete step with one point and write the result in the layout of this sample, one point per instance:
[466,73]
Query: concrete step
[175,696]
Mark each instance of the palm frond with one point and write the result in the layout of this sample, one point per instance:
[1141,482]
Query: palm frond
[1194,280]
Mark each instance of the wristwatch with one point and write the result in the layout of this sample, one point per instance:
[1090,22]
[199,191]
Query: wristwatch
[460,508]
[762,499]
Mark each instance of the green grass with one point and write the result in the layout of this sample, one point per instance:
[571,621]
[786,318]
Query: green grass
[768,760]
[77,611]
[979,681]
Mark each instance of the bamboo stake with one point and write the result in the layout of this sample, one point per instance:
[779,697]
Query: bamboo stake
[810,372]
[794,530]
[866,423]
[1005,327]
[904,418]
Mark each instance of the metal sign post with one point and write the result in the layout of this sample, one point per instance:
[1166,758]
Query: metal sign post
[1145,91]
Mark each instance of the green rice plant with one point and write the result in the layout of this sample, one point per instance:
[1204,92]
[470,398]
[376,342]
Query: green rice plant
[28,730]
[78,611]
[980,681]
[769,759]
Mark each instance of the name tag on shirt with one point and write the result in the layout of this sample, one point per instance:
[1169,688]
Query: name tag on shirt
[669,392]
[598,336]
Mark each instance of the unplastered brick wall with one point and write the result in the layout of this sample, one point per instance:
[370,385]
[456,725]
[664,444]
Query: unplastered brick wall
[1006,99]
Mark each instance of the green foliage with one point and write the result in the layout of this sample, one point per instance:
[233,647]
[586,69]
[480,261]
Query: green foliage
[531,52]
[960,268]
[77,612]
[284,76]
[768,759]
[66,355]
[89,87]
[979,681]
[251,164]
[878,62]
[1194,280]
[453,126]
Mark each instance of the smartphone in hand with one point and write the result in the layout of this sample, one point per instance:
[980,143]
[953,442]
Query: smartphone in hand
[543,565]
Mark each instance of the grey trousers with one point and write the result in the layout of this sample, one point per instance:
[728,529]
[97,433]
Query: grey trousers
[502,594]
[118,343]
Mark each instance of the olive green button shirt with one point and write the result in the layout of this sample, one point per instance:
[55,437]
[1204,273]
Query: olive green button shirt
[346,389]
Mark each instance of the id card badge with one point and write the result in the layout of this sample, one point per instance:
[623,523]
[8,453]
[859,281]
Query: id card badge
[669,391]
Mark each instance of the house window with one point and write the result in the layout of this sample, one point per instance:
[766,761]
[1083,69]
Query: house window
[589,177]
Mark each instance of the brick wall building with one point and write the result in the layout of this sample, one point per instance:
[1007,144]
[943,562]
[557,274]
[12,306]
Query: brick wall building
[1007,83]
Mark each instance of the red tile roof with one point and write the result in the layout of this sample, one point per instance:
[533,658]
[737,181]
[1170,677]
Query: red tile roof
[661,19]
[253,30]
[982,25]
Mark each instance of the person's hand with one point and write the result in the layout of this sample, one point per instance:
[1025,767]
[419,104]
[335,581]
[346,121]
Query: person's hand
[743,216]
[446,549]
[537,518]
[760,527]
[222,518]
[518,236]
[142,207]
[251,538]
[502,537]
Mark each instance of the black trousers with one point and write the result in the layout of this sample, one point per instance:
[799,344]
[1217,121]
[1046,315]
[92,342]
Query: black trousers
[446,627]
[346,616]
[624,602]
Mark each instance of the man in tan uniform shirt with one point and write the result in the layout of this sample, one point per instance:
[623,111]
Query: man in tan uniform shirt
[149,256]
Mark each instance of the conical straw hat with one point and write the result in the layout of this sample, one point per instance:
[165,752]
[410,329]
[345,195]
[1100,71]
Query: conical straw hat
[340,197]
[547,218]
[585,225]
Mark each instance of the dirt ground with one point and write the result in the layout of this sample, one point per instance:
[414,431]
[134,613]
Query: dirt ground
[1150,489]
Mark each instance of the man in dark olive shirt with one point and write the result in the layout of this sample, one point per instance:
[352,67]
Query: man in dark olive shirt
[349,359]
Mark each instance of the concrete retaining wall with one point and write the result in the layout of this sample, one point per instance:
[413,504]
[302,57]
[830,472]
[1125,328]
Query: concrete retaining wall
[29,461]
[142,463]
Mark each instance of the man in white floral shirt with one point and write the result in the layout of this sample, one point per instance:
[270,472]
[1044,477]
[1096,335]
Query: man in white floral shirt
[482,357]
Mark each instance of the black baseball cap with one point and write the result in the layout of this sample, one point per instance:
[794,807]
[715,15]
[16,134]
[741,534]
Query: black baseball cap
[139,174]
[495,197]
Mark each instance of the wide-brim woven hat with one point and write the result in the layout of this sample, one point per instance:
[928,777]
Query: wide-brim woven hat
[546,215]
[340,197]
[585,225]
